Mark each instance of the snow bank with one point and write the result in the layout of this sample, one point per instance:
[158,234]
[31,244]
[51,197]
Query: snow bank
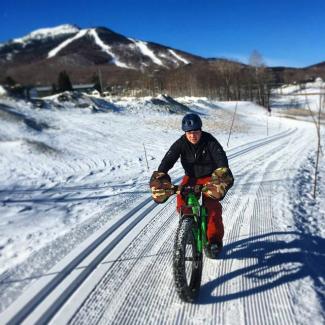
[151,105]
[71,100]
[203,104]
[148,105]
[3,91]
[300,96]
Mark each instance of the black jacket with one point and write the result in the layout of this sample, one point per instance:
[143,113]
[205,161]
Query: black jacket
[198,160]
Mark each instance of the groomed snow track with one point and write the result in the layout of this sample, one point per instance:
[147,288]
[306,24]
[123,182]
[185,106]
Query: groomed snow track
[122,274]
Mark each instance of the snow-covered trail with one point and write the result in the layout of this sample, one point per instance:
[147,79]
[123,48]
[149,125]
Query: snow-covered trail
[251,283]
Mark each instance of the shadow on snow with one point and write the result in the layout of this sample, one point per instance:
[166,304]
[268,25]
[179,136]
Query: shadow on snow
[279,258]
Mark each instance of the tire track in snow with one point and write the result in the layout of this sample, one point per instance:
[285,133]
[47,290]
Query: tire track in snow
[259,223]
[112,283]
[268,306]
[238,230]
[148,276]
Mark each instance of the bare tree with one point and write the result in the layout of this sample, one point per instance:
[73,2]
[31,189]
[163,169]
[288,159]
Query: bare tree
[262,77]
[256,59]
[317,123]
[227,71]
[321,103]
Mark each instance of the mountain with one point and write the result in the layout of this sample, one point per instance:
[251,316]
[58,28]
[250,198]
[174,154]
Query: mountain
[86,54]
[320,65]
[38,56]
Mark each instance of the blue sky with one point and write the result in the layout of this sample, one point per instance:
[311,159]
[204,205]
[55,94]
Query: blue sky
[290,33]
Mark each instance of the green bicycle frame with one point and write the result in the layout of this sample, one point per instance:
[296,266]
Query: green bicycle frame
[200,217]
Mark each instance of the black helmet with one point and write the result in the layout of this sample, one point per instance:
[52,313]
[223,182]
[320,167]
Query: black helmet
[191,122]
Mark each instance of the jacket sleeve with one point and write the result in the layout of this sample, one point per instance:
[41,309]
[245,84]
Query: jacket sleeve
[222,171]
[218,155]
[170,158]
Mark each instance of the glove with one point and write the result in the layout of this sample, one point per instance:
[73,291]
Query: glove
[161,187]
[221,181]
[222,175]
[214,191]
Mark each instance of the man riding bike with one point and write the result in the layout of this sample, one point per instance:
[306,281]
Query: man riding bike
[205,163]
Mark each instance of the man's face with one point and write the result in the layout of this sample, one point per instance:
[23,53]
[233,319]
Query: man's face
[193,136]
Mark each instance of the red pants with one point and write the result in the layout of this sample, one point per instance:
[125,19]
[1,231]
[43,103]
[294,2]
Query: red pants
[215,229]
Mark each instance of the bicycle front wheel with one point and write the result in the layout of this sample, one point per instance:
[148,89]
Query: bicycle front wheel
[187,262]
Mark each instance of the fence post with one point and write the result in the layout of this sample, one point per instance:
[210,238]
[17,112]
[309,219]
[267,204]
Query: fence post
[232,123]
[145,154]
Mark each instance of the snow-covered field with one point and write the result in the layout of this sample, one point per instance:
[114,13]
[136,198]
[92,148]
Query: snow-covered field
[74,183]
[304,98]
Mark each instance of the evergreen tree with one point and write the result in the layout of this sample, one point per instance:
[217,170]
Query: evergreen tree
[97,84]
[54,89]
[10,82]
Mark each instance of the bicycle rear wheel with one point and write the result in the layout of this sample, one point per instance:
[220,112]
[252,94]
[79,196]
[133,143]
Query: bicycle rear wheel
[187,262]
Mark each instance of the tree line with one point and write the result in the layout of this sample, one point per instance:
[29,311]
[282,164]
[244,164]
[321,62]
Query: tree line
[219,79]
[223,80]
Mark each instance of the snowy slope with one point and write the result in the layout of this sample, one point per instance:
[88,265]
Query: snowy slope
[75,207]
[89,46]
[307,96]
[2,91]
[44,33]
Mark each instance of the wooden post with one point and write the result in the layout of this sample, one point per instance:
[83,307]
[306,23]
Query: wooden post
[232,123]
[318,145]
[100,80]
[145,154]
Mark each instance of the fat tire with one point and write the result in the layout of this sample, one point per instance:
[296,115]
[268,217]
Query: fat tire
[189,289]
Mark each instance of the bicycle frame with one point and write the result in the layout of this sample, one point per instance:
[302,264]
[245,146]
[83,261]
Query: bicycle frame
[199,215]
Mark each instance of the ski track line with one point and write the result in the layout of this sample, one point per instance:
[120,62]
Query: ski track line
[152,275]
[71,264]
[259,226]
[137,259]
[272,307]
[149,276]
[238,230]
[36,300]
[233,222]
[47,259]
[134,256]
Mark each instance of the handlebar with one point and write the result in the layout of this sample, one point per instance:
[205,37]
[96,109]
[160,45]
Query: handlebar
[181,189]
[178,189]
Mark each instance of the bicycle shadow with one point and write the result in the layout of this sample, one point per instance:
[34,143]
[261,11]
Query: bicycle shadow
[278,258]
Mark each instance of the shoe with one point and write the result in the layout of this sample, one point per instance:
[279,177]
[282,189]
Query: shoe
[213,250]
